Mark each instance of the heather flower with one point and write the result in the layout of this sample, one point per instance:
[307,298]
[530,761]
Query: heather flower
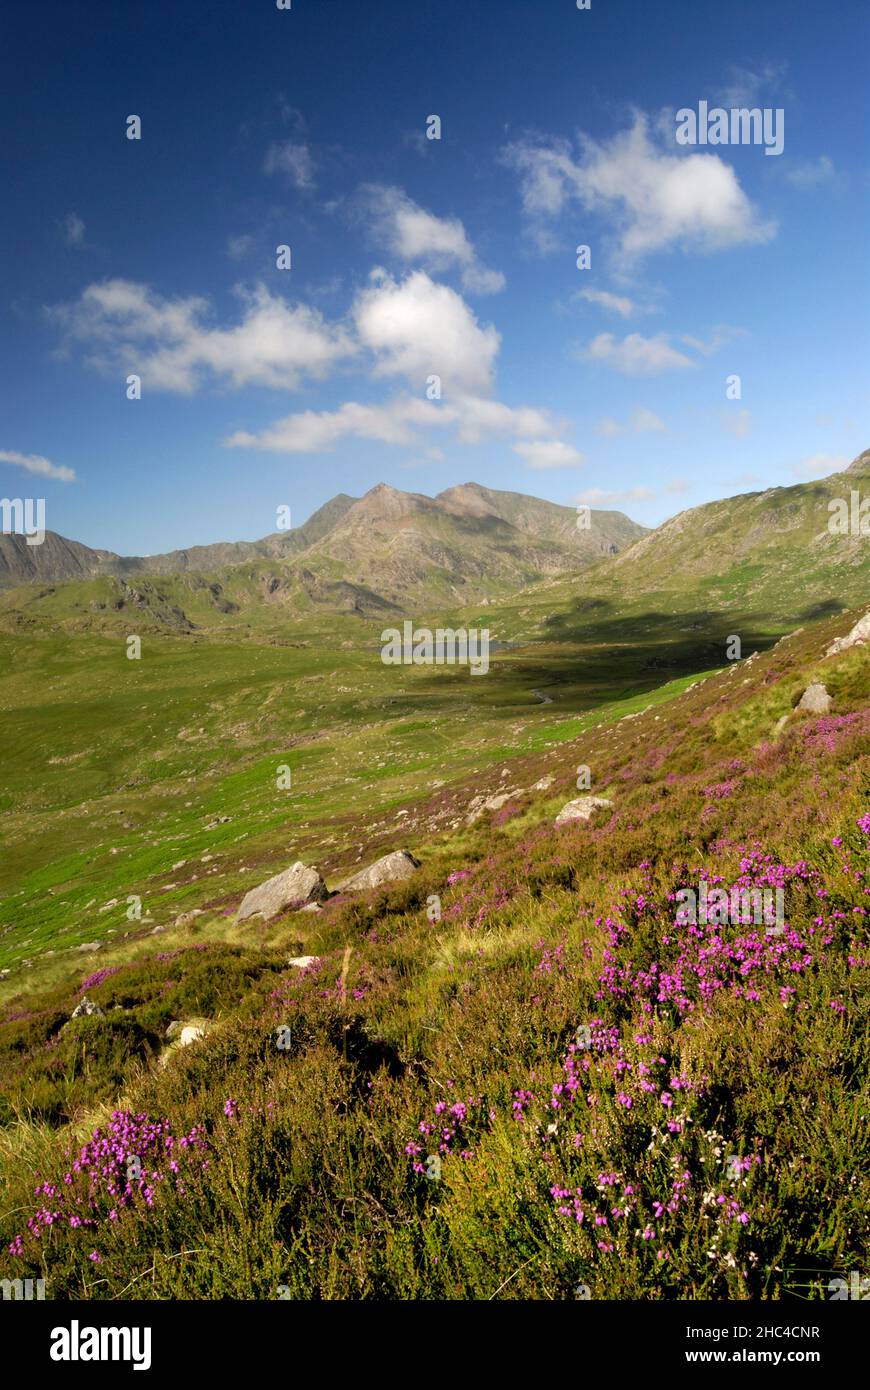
[97,1187]
[97,978]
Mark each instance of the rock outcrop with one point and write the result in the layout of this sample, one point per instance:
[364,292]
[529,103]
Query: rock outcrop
[581,808]
[295,887]
[394,867]
[815,699]
[857,637]
[87,1009]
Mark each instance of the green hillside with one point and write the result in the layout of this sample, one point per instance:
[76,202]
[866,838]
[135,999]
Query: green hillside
[617,1103]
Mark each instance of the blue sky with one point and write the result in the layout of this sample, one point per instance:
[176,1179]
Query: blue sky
[414,258]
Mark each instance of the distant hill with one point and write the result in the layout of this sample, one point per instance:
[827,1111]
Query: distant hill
[780,536]
[768,556]
[466,543]
[754,564]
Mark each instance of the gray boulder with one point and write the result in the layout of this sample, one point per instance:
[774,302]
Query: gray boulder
[296,886]
[391,869]
[581,808]
[857,637]
[815,699]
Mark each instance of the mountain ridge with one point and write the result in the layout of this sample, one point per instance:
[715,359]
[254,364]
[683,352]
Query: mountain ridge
[345,530]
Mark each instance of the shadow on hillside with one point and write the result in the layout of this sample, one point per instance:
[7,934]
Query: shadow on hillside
[595,653]
[828,608]
[606,652]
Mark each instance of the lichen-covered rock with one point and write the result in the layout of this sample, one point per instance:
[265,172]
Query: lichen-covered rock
[581,808]
[294,887]
[391,869]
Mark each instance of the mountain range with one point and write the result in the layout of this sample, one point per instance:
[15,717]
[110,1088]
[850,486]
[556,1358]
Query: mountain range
[467,541]
[392,551]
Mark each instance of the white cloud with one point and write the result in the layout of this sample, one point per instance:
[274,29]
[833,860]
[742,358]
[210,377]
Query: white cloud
[745,86]
[412,328]
[609,427]
[615,303]
[35,463]
[480,418]
[549,453]
[644,421]
[549,177]
[657,200]
[311,431]
[292,158]
[171,346]
[604,497]
[239,246]
[820,465]
[418,329]
[73,229]
[636,355]
[812,174]
[396,422]
[722,334]
[412,234]
[609,497]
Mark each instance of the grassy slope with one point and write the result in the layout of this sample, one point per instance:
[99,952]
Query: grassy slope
[755,566]
[309,1187]
[119,769]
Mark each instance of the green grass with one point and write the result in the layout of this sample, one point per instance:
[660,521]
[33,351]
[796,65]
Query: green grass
[118,767]
[309,1189]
